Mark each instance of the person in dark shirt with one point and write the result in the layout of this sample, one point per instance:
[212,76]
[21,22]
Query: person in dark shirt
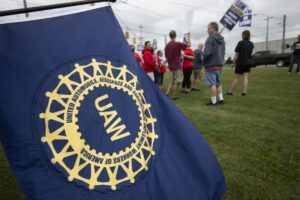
[213,55]
[198,68]
[295,58]
[173,55]
[242,62]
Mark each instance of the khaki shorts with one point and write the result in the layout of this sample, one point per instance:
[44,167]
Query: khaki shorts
[177,76]
[198,74]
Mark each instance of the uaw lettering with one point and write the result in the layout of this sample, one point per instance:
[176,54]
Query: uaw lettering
[61,122]
[113,123]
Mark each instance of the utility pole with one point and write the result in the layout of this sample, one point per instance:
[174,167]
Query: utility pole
[283,33]
[268,20]
[166,40]
[141,33]
[267,35]
[25,6]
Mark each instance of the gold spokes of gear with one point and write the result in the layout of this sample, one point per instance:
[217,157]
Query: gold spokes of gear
[93,75]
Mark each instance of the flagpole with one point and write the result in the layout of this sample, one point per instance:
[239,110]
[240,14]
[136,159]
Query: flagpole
[50,7]
[221,31]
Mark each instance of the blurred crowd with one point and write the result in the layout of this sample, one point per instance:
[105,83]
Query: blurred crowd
[190,67]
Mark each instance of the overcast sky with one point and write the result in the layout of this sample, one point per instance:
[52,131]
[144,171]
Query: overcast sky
[159,16]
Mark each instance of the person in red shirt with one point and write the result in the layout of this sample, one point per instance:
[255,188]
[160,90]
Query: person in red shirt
[188,55]
[173,55]
[149,61]
[161,69]
[136,55]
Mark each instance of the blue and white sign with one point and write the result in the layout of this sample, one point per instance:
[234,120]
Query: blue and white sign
[240,5]
[140,47]
[246,20]
[186,37]
[154,44]
[234,14]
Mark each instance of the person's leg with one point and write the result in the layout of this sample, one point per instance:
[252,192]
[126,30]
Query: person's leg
[171,84]
[234,83]
[245,83]
[210,79]
[291,63]
[155,77]
[213,94]
[220,93]
[219,87]
[184,83]
[178,76]
[200,78]
[161,81]
[189,76]
[196,79]
[298,65]
[175,90]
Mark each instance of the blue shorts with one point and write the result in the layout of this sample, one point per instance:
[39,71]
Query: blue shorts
[213,78]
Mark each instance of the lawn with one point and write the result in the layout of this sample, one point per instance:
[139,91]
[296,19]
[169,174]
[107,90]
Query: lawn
[255,138]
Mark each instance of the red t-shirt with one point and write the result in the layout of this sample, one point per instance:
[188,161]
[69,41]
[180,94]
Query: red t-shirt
[188,63]
[138,58]
[149,62]
[173,54]
[162,66]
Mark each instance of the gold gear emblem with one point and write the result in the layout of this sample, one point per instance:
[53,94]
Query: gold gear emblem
[140,151]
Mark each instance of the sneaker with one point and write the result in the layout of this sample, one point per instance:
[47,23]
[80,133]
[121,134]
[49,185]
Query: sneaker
[211,104]
[175,98]
[229,94]
[221,102]
[244,94]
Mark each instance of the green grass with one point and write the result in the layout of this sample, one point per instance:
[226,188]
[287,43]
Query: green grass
[255,138]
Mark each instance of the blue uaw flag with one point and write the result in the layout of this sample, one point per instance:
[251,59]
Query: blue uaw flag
[80,120]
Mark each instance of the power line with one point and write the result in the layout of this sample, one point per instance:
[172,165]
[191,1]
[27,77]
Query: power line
[196,8]
[161,16]
[127,27]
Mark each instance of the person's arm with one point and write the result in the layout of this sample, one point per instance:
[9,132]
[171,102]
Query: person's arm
[224,48]
[166,55]
[235,58]
[182,46]
[237,52]
[156,60]
[208,48]
[190,55]
[149,60]
[200,57]
[139,59]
